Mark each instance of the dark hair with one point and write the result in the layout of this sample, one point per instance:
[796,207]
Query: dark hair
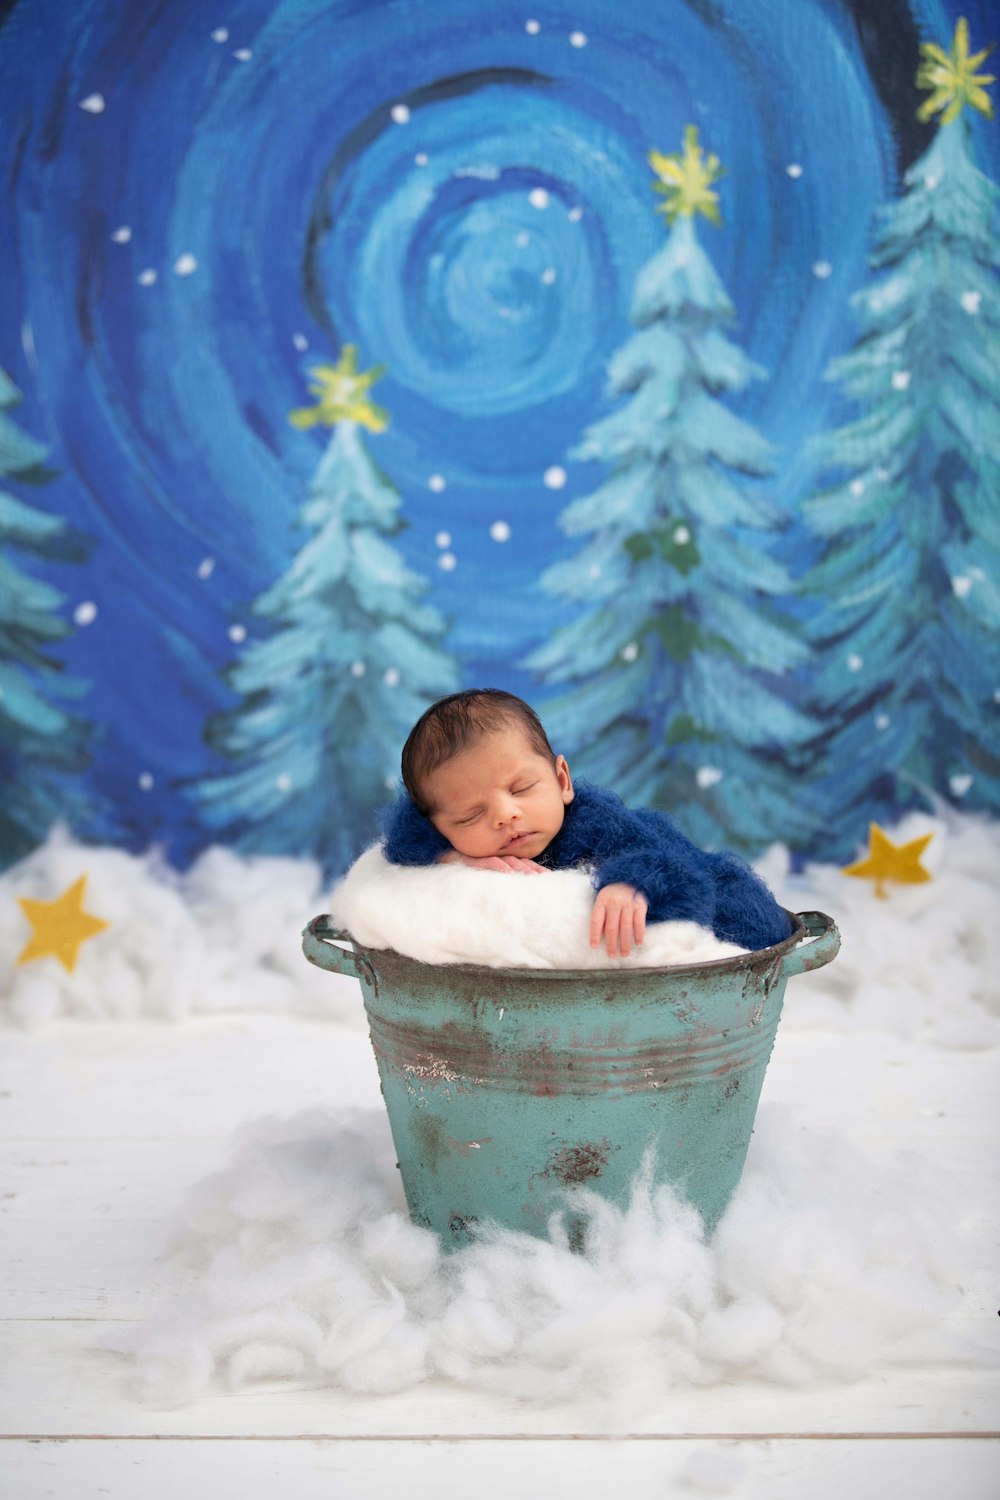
[462,719]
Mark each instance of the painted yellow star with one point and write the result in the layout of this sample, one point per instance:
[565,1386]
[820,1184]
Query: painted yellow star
[60,926]
[953,78]
[888,861]
[686,179]
[342,395]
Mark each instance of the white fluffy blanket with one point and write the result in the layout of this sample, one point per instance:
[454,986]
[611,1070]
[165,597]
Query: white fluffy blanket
[449,914]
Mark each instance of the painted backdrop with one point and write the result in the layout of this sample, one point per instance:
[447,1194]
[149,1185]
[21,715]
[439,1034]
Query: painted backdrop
[642,358]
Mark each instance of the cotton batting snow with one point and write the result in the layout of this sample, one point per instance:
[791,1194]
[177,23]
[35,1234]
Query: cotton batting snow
[446,914]
[298,1263]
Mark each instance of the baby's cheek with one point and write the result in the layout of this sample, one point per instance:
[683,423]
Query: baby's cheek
[468,841]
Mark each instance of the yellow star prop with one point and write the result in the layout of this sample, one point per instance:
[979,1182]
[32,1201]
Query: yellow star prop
[953,78]
[686,179]
[60,926]
[888,861]
[342,395]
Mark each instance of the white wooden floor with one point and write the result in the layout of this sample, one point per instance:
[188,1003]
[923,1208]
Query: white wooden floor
[104,1126]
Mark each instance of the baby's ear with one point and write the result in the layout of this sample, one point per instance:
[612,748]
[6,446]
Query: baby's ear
[565,779]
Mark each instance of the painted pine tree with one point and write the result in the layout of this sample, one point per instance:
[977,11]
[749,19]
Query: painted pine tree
[671,678]
[908,635]
[42,746]
[352,658]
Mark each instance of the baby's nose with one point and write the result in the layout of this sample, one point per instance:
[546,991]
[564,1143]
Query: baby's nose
[504,810]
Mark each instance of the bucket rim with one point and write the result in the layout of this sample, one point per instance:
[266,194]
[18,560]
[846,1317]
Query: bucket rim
[754,958]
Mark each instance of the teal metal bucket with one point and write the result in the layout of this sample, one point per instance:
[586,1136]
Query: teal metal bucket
[506,1086]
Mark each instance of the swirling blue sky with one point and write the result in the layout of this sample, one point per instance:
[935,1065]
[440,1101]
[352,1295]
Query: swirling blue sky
[458,188]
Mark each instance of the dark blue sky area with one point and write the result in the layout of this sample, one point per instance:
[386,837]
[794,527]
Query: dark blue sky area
[202,202]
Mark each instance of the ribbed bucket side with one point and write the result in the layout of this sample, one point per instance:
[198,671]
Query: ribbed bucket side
[504,1090]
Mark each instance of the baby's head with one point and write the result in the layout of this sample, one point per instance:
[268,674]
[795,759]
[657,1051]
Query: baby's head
[479,765]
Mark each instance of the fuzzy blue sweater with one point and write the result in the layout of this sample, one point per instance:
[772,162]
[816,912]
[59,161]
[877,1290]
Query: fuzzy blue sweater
[641,848]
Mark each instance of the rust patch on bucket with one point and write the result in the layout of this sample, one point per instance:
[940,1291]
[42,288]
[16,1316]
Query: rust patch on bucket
[431,1069]
[463,1226]
[546,1069]
[575,1164]
[432,1142]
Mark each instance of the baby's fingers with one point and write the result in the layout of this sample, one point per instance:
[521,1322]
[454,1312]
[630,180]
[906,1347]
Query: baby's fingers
[633,924]
[641,907]
[616,932]
[625,921]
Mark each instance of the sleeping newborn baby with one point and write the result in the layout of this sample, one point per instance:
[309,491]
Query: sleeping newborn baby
[485,789]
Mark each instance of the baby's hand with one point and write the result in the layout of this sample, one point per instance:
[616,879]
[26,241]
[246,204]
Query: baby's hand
[620,914]
[504,863]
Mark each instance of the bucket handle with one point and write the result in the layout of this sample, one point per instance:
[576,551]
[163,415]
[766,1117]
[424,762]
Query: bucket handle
[319,949]
[813,955]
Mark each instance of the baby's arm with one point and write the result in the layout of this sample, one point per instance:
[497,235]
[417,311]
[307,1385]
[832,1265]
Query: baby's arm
[644,870]
[408,838]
